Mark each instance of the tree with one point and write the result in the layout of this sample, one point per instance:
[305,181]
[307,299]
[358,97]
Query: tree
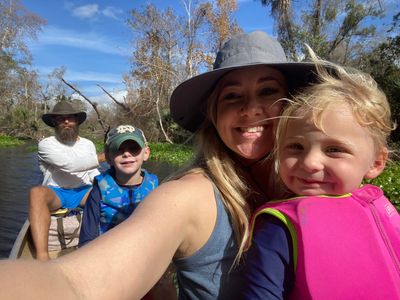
[192,27]
[168,49]
[384,65]
[16,24]
[18,84]
[153,62]
[281,11]
[334,29]
[222,23]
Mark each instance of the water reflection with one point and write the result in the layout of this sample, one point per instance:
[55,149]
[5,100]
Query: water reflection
[19,171]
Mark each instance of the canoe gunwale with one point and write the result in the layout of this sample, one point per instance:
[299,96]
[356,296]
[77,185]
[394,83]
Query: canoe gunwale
[21,241]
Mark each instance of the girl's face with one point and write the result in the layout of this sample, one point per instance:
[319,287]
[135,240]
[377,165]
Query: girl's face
[333,162]
[246,101]
[128,161]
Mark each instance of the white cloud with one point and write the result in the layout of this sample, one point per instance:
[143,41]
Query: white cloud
[100,97]
[56,36]
[87,76]
[86,11]
[93,77]
[87,83]
[103,98]
[93,11]
[112,12]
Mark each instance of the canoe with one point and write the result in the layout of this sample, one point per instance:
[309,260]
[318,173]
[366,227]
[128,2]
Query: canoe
[23,245]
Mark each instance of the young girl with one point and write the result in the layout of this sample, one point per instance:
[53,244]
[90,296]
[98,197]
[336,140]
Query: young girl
[335,246]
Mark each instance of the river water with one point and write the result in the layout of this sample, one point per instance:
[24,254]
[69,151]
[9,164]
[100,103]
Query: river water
[19,171]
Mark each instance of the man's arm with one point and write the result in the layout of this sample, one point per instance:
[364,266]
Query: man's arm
[101,157]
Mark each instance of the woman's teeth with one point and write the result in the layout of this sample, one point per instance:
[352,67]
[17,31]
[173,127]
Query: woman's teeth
[252,129]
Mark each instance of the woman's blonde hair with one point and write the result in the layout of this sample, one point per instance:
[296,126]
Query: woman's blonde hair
[217,162]
[337,85]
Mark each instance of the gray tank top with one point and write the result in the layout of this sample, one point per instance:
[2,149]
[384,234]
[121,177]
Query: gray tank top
[207,274]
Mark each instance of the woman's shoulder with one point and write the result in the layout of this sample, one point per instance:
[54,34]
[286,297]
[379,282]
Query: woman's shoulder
[192,197]
[182,198]
[193,185]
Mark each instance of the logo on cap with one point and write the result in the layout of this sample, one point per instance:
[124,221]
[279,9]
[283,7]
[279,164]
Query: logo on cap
[125,128]
[123,133]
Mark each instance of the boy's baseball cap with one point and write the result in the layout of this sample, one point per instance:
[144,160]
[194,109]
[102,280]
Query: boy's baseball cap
[116,136]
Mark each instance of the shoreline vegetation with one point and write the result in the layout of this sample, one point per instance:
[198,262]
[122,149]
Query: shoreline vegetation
[174,154]
[177,155]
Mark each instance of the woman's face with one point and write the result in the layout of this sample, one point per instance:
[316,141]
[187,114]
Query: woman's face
[246,102]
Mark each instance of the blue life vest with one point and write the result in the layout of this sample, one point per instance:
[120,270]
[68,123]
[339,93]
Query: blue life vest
[117,203]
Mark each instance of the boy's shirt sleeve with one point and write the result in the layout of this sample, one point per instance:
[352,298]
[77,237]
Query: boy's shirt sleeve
[268,270]
[91,217]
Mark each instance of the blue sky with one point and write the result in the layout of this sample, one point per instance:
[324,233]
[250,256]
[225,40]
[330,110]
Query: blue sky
[91,39]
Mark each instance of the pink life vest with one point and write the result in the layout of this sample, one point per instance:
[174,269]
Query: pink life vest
[345,247]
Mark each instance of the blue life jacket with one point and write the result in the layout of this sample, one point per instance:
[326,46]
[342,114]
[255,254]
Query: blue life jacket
[118,202]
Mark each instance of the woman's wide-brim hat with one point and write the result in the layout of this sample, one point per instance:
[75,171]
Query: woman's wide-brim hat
[189,99]
[63,108]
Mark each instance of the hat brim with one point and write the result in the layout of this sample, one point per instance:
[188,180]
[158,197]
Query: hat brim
[114,145]
[48,118]
[189,99]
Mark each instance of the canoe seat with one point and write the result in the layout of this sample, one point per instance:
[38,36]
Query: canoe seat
[64,229]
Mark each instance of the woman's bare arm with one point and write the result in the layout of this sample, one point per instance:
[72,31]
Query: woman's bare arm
[22,279]
[129,259]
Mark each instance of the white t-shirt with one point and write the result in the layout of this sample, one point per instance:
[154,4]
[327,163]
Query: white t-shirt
[67,165]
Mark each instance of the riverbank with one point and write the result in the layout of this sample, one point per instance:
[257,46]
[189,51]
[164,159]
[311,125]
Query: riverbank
[8,141]
[178,155]
[173,154]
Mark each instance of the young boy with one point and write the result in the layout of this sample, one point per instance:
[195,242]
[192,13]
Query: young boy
[118,191]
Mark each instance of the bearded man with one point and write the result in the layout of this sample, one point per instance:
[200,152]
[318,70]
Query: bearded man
[68,163]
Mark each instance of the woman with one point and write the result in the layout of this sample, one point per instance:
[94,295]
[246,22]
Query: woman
[200,218]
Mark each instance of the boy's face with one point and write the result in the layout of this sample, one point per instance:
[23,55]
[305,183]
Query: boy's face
[334,162]
[129,159]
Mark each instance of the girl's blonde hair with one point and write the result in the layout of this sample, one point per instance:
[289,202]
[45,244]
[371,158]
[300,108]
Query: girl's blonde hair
[337,85]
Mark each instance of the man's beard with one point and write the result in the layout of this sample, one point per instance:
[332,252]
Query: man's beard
[67,135]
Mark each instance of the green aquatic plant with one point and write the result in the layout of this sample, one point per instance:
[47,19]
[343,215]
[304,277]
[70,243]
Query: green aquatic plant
[389,182]
[174,154]
[8,141]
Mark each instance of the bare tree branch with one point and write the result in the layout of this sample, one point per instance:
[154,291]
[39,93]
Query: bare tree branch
[122,105]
